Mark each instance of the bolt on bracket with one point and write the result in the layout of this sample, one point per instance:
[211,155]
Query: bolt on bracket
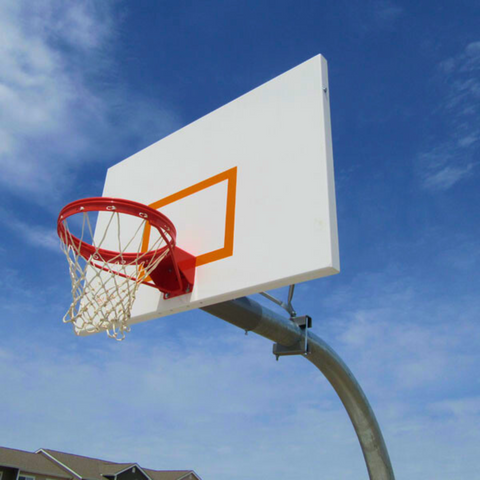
[299,348]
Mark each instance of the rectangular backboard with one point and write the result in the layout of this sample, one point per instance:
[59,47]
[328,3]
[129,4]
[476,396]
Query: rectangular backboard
[249,188]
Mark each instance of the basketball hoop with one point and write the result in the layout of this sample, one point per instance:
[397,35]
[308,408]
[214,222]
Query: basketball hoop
[105,281]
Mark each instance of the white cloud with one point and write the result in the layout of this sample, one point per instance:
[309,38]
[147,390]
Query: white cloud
[32,233]
[460,408]
[455,158]
[37,92]
[386,12]
[54,116]
[446,177]
[197,393]
[85,24]
[202,404]
[415,356]
[375,15]
[415,353]
[38,236]
[461,253]
[443,178]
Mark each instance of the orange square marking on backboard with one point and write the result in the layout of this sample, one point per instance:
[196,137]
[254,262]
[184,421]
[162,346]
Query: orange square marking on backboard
[227,250]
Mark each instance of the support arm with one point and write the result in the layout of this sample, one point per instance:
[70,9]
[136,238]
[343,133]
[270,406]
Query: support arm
[251,316]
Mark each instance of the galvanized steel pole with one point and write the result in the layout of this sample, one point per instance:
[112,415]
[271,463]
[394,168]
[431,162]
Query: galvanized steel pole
[249,315]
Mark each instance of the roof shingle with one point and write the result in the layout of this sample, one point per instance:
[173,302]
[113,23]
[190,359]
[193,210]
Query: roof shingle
[94,469]
[30,462]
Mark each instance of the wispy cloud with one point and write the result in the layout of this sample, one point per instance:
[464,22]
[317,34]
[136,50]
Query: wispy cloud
[464,407]
[415,353]
[416,356]
[56,111]
[386,12]
[39,92]
[375,15]
[195,404]
[454,159]
[33,234]
[206,396]
[446,165]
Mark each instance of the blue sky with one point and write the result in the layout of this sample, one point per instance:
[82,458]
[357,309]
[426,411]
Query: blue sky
[84,85]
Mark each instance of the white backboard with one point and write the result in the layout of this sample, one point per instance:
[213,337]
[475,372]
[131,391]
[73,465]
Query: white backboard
[250,189]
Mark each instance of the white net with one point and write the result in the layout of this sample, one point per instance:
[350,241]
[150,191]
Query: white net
[103,292]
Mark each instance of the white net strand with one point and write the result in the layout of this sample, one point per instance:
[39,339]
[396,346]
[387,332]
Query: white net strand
[103,291]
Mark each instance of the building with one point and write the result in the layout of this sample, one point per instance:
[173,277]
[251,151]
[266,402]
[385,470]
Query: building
[52,465]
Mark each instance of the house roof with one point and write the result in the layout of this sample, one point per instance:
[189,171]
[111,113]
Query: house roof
[30,462]
[96,469]
[168,474]
[84,467]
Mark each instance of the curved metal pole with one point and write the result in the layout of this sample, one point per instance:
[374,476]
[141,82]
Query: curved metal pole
[251,316]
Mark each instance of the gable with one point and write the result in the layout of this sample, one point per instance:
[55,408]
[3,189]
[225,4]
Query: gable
[133,473]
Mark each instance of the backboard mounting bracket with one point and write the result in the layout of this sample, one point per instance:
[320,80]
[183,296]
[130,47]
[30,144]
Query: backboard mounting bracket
[286,306]
[299,348]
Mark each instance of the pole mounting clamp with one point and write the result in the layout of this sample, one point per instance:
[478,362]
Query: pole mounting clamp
[299,348]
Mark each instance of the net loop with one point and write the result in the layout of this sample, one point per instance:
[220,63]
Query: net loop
[105,282]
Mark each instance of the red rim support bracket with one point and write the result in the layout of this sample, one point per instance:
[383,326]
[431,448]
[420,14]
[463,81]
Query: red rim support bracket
[175,275]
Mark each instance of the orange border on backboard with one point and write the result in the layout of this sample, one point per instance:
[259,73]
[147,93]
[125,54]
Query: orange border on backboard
[227,250]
